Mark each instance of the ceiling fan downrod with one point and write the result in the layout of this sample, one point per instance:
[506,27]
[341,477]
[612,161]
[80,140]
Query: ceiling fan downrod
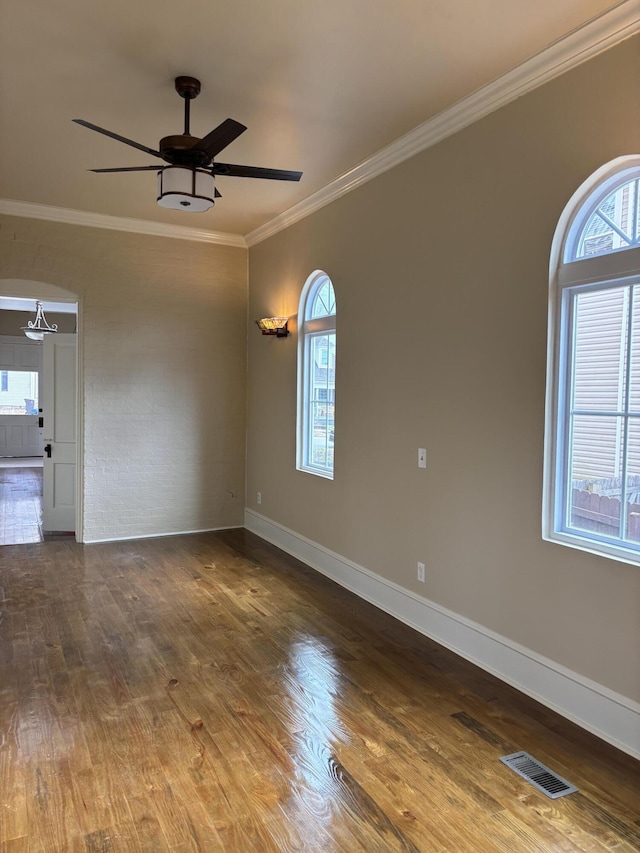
[188,88]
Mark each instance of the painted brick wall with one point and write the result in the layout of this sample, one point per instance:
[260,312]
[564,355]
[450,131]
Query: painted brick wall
[163,333]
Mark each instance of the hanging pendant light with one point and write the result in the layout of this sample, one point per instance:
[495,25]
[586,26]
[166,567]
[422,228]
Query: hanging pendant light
[38,328]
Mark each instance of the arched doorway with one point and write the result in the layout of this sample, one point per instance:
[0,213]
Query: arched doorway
[21,479]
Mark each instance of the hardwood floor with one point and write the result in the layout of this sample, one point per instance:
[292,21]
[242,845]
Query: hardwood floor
[209,692]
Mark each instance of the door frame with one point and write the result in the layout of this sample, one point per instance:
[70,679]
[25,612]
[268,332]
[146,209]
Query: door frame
[18,288]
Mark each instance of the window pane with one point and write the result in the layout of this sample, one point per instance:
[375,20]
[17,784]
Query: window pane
[633,482]
[613,225]
[596,474]
[321,399]
[18,392]
[316,372]
[600,350]
[324,302]
[602,458]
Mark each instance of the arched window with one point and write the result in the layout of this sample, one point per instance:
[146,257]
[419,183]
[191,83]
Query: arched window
[316,376]
[592,456]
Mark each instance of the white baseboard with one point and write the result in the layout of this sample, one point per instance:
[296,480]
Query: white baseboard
[158,535]
[607,714]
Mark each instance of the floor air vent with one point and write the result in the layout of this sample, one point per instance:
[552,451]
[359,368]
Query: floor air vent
[538,775]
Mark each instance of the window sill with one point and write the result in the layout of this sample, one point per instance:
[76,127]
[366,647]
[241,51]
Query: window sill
[327,475]
[590,546]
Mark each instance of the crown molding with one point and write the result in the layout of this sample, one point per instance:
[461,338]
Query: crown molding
[582,44]
[118,223]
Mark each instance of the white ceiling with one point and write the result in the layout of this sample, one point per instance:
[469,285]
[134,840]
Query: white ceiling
[321,86]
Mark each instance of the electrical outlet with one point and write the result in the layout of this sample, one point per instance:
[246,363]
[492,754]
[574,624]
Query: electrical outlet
[422,457]
[421,572]
[259,497]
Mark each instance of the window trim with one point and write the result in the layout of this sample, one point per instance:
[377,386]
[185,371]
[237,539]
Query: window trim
[590,202]
[615,268]
[307,330]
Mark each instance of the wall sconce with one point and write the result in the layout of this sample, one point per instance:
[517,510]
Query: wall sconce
[274,326]
[38,328]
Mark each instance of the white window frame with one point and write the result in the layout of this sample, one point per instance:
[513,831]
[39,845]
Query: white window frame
[568,277]
[308,329]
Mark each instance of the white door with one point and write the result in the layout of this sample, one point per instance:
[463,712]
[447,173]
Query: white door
[59,412]
[20,435]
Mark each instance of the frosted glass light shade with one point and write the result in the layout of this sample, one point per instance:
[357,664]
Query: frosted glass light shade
[39,327]
[183,188]
[273,326]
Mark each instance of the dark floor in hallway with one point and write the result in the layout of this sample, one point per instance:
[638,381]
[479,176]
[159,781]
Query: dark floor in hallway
[20,505]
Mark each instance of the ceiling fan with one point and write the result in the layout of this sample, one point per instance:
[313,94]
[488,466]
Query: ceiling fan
[187,183]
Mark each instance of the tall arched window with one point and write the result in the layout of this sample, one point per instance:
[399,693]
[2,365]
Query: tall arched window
[592,456]
[316,376]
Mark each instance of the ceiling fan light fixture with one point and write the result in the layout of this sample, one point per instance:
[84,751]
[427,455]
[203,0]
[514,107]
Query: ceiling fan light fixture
[186,188]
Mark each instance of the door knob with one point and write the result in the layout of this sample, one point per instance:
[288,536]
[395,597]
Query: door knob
[47,450]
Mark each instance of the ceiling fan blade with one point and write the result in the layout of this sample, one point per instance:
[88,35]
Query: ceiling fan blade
[117,137]
[254,172]
[220,137]
[130,169]
[217,193]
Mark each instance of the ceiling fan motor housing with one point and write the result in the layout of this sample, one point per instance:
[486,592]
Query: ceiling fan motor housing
[178,150]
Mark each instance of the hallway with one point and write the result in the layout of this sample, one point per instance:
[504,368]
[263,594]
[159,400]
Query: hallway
[20,500]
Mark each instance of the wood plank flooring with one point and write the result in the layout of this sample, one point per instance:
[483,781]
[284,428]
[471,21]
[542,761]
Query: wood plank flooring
[20,504]
[209,692]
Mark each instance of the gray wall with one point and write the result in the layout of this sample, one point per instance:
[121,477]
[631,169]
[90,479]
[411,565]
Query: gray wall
[163,334]
[441,273]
